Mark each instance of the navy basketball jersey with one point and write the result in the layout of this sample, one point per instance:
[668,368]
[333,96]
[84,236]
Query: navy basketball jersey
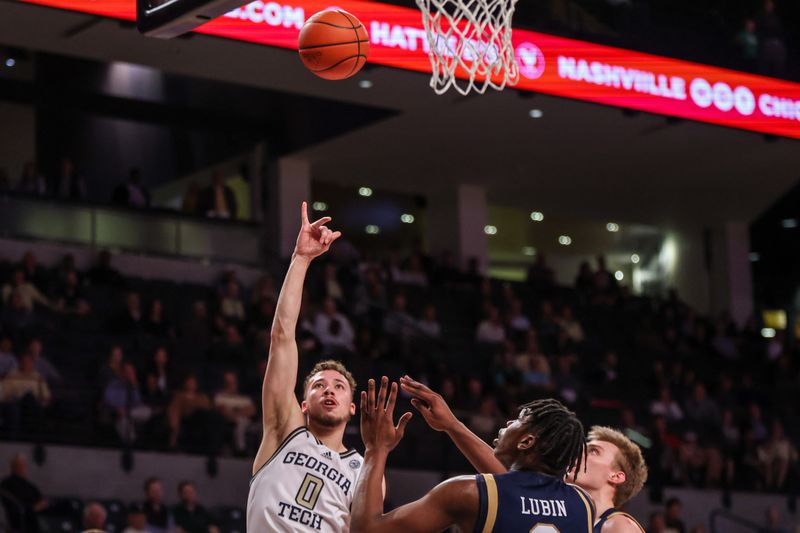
[598,527]
[521,501]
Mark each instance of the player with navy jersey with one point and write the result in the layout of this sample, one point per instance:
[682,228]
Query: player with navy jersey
[614,472]
[303,476]
[537,448]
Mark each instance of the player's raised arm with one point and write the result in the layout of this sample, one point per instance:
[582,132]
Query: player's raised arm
[437,414]
[281,411]
[453,502]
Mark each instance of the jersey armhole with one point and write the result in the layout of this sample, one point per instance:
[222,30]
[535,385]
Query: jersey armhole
[591,512]
[282,445]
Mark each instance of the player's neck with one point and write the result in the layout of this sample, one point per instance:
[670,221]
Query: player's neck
[331,437]
[603,498]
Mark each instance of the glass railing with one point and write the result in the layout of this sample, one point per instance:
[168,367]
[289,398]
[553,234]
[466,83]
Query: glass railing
[156,232]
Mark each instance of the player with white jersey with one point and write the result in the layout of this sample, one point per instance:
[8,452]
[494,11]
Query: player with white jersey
[303,476]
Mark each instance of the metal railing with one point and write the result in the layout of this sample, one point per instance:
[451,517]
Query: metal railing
[156,232]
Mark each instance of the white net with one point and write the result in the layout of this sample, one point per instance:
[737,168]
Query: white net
[471,38]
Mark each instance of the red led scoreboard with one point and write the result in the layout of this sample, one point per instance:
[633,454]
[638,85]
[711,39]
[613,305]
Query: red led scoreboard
[548,64]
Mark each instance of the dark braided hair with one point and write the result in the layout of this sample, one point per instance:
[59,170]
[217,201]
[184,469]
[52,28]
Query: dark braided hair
[560,439]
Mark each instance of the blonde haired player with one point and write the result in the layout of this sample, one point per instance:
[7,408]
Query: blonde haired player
[614,471]
[303,476]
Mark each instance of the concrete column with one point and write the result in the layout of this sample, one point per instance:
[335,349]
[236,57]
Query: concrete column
[455,222]
[739,271]
[292,186]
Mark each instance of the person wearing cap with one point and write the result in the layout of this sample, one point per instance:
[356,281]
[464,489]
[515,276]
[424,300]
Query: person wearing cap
[137,519]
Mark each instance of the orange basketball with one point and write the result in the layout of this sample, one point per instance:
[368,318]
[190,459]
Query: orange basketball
[333,44]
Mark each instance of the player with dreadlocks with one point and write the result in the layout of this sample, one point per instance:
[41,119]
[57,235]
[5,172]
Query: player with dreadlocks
[537,448]
[613,473]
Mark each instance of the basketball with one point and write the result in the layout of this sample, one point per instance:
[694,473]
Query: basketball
[333,44]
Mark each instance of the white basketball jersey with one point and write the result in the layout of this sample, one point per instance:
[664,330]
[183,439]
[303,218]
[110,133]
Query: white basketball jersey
[305,486]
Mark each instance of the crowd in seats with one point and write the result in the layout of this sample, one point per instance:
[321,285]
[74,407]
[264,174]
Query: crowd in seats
[217,200]
[27,510]
[160,365]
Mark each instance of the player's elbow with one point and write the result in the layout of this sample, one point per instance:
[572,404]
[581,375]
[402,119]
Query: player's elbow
[279,334]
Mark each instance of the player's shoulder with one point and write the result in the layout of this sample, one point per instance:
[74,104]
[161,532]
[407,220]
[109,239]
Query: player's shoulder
[621,522]
[586,499]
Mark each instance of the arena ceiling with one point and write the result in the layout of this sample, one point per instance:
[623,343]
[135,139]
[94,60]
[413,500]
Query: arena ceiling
[578,160]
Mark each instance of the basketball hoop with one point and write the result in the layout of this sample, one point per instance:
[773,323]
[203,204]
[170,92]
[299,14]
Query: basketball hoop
[470,39]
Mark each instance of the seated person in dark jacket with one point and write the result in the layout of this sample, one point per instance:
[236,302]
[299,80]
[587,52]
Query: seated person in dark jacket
[218,200]
[190,516]
[21,499]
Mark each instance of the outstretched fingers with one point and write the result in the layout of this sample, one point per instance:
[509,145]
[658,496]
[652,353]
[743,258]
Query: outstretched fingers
[371,395]
[392,399]
[320,222]
[382,393]
[402,423]
[304,213]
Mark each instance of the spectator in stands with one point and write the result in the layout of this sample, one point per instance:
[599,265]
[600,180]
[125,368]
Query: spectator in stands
[159,367]
[158,516]
[190,516]
[673,516]
[42,364]
[69,183]
[132,193]
[25,387]
[197,326]
[218,200]
[490,330]
[35,273]
[137,519]
[230,350]
[27,292]
[264,290]
[131,321]
[8,361]
[94,516]
[112,369]
[156,323]
[333,329]
[747,41]
[15,317]
[775,456]
[541,277]
[370,298]
[571,326]
[231,305]
[518,323]
[69,296]
[700,409]
[485,421]
[237,409]
[102,273]
[428,325]
[330,285]
[666,407]
[773,524]
[124,402]
[187,410]
[31,182]
[656,523]
[772,54]
[22,500]
[398,323]
[191,199]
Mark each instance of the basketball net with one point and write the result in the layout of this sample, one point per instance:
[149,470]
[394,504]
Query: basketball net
[469,44]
